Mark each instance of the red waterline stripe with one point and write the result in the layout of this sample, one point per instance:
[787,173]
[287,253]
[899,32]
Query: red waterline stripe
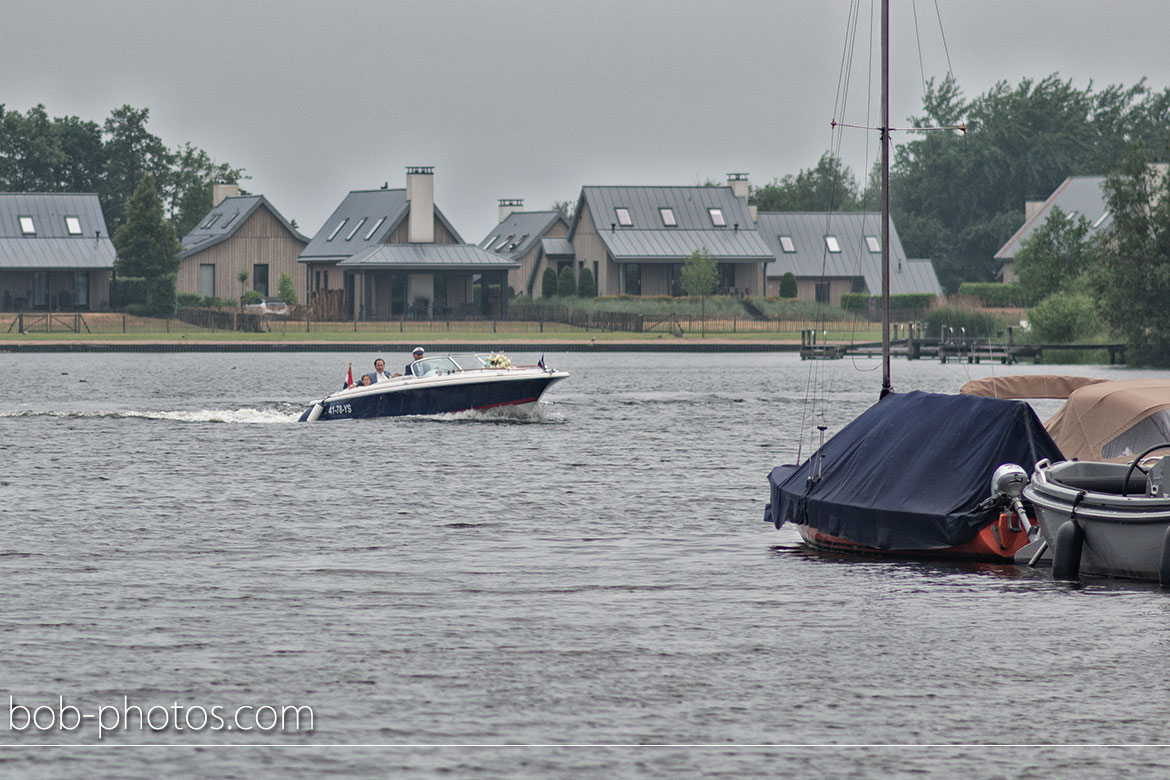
[509,403]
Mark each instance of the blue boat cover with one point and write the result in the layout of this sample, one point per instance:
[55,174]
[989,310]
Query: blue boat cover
[910,472]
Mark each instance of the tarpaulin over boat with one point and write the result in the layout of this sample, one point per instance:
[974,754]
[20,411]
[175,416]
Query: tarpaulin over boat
[911,471]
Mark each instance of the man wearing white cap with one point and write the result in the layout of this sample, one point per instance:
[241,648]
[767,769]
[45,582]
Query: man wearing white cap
[417,354]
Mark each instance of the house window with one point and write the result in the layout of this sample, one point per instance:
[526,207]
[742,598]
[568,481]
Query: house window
[377,225]
[356,228]
[40,289]
[623,216]
[230,220]
[260,278]
[81,289]
[786,244]
[831,243]
[668,217]
[207,279]
[726,273]
[210,221]
[873,244]
[632,276]
[822,292]
[717,217]
[337,229]
[676,286]
[73,226]
[27,227]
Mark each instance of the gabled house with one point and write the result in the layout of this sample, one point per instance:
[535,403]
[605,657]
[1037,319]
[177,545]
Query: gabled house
[387,254]
[521,237]
[55,252]
[1077,196]
[636,240]
[240,233]
[838,253]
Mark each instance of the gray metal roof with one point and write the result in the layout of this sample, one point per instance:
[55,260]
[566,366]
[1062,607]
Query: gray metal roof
[380,211]
[812,258]
[1077,196]
[649,236]
[557,247]
[224,220]
[451,257]
[520,231]
[52,246]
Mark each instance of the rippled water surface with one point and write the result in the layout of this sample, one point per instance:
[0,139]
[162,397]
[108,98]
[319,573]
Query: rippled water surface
[595,574]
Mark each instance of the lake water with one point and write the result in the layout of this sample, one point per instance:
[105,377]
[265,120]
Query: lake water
[587,592]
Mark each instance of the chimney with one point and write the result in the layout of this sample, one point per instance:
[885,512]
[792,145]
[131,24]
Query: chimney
[739,184]
[509,206]
[420,191]
[1030,209]
[221,190]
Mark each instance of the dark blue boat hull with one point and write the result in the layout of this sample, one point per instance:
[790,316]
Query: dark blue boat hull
[432,399]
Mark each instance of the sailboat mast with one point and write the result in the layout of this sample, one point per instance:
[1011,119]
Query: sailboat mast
[885,137]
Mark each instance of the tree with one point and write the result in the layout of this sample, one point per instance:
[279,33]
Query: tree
[1133,276]
[1055,255]
[788,287]
[146,242]
[586,287]
[548,283]
[566,284]
[286,288]
[130,152]
[242,276]
[190,192]
[699,273]
[830,186]
[30,151]
[566,207]
[147,247]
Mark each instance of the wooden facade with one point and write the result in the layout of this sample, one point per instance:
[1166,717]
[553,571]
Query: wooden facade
[518,278]
[261,241]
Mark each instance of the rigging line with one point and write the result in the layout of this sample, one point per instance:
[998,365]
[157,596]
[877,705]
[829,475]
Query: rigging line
[918,40]
[943,34]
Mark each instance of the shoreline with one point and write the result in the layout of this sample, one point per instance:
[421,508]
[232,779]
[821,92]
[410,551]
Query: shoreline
[437,345]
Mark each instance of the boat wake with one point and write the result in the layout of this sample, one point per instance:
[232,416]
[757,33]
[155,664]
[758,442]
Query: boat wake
[281,413]
[504,415]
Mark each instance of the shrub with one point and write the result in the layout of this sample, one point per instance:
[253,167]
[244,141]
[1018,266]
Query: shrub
[548,283]
[586,287]
[160,301]
[286,289]
[566,284]
[911,300]
[252,295]
[136,310]
[190,300]
[996,294]
[855,302]
[1064,318]
[127,290]
[788,285]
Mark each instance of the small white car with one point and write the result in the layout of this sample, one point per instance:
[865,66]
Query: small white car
[267,306]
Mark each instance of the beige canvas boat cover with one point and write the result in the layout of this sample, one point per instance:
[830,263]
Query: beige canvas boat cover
[1095,415]
[1024,386]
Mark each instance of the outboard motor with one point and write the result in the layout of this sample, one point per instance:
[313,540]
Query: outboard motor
[1008,483]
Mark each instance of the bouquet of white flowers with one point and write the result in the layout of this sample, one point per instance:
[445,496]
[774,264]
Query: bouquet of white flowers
[498,360]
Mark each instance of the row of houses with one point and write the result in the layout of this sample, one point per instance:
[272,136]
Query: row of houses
[390,253]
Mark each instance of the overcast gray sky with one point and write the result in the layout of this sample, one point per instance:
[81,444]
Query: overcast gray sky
[532,99]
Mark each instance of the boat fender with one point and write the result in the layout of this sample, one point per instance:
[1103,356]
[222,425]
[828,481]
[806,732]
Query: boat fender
[318,408]
[1066,551]
[1164,561]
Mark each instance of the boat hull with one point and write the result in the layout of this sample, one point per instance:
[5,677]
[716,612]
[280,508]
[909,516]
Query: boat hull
[407,396]
[996,542]
[1120,536]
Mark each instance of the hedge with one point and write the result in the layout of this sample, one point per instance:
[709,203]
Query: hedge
[996,294]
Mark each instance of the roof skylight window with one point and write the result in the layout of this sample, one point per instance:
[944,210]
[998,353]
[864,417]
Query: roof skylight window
[491,240]
[337,229]
[668,217]
[27,227]
[1101,219]
[356,228]
[831,243]
[873,244]
[210,221]
[377,225]
[73,226]
[231,219]
[717,217]
[623,216]
[786,244]
[504,242]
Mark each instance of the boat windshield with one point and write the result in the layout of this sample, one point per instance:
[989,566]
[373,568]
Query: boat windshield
[434,365]
[1147,432]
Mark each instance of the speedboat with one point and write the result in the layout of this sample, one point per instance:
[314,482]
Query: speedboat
[439,385]
[1105,519]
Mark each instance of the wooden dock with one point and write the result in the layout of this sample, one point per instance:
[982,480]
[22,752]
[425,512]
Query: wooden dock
[971,350]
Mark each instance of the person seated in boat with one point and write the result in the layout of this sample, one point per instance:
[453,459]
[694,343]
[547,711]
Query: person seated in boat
[380,373]
[418,354]
[367,380]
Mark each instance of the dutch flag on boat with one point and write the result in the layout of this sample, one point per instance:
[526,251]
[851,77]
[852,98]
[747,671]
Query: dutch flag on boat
[348,377]
[540,364]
